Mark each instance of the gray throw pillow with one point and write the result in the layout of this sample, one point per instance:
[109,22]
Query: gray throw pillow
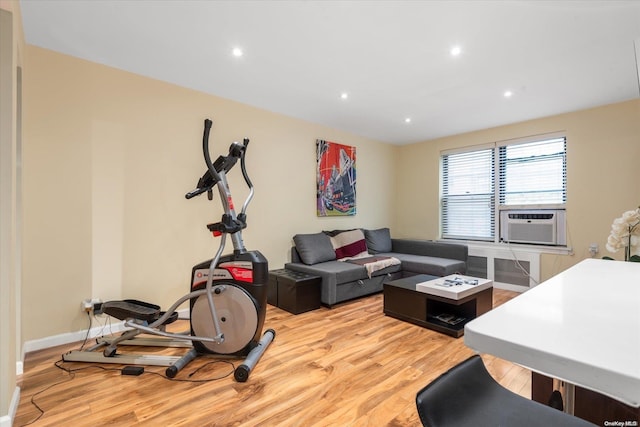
[314,248]
[378,240]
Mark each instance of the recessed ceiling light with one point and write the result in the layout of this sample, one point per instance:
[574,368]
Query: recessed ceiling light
[455,51]
[508,94]
[344,95]
[407,120]
[237,52]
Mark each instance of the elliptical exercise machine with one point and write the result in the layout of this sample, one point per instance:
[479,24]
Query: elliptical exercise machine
[228,294]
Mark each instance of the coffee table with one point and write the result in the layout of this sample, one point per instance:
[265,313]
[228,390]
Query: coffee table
[434,303]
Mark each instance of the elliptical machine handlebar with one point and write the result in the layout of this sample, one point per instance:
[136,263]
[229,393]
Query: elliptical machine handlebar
[211,176]
[232,223]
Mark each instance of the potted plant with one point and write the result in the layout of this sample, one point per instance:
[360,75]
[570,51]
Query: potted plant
[624,235]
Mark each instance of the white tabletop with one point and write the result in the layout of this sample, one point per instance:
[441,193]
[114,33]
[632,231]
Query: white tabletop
[581,326]
[456,292]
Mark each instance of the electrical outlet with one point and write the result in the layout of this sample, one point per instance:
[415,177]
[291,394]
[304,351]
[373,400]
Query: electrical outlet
[92,305]
[593,249]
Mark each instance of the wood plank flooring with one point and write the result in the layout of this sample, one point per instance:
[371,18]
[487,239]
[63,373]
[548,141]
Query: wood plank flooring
[346,366]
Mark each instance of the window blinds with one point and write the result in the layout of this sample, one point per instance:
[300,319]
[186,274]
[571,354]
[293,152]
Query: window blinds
[468,195]
[533,173]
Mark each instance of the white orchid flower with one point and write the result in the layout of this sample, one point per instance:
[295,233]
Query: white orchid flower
[624,233]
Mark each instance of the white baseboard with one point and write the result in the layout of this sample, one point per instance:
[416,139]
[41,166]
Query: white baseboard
[7,420]
[71,337]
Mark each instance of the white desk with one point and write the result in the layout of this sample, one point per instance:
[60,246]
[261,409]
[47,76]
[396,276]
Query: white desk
[581,326]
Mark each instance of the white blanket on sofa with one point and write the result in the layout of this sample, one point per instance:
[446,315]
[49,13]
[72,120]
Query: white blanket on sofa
[373,263]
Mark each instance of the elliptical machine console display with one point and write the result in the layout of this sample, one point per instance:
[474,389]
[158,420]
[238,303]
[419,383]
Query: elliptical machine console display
[227,295]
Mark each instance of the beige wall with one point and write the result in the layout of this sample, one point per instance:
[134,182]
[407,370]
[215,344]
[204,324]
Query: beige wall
[108,158]
[603,172]
[11,47]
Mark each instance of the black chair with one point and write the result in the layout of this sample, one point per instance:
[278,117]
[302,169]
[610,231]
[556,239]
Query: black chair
[467,395]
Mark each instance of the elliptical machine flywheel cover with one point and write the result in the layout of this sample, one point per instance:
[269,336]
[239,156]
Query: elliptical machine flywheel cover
[237,313]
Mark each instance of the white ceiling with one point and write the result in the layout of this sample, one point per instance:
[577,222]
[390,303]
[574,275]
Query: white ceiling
[391,57]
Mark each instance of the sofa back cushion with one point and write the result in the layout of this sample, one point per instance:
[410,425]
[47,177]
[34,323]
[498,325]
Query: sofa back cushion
[314,248]
[430,248]
[349,244]
[378,241]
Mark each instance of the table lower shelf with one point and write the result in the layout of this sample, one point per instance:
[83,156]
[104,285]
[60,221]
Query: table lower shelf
[421,309]
[453,330]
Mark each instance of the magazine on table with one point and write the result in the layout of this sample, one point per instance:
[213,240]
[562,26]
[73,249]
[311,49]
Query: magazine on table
[450,318]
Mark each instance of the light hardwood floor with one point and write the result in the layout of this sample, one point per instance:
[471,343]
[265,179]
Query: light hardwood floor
[346,366]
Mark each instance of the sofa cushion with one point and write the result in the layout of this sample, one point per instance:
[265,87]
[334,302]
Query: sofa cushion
[434,266]
[314,248]
[344,272]
[430,248]
[349,244]
[378,240]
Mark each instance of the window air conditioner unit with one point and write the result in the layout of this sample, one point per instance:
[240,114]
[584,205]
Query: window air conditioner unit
[539,227]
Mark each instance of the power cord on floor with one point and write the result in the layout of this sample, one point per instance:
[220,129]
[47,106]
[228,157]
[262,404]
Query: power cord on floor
[35,404]
[86,337]
[72,372]
[71,376]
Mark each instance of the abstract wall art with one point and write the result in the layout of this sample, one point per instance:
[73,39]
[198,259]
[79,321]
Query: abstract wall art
[335,179]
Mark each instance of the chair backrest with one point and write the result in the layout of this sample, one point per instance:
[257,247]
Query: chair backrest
[443,401]
[467,395]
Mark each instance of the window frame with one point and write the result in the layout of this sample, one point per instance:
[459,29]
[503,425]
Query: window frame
[498,174]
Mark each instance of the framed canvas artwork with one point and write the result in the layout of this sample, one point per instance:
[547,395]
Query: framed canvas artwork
[335,179]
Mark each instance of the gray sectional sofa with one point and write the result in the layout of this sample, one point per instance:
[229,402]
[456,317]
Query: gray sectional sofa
[347,278]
